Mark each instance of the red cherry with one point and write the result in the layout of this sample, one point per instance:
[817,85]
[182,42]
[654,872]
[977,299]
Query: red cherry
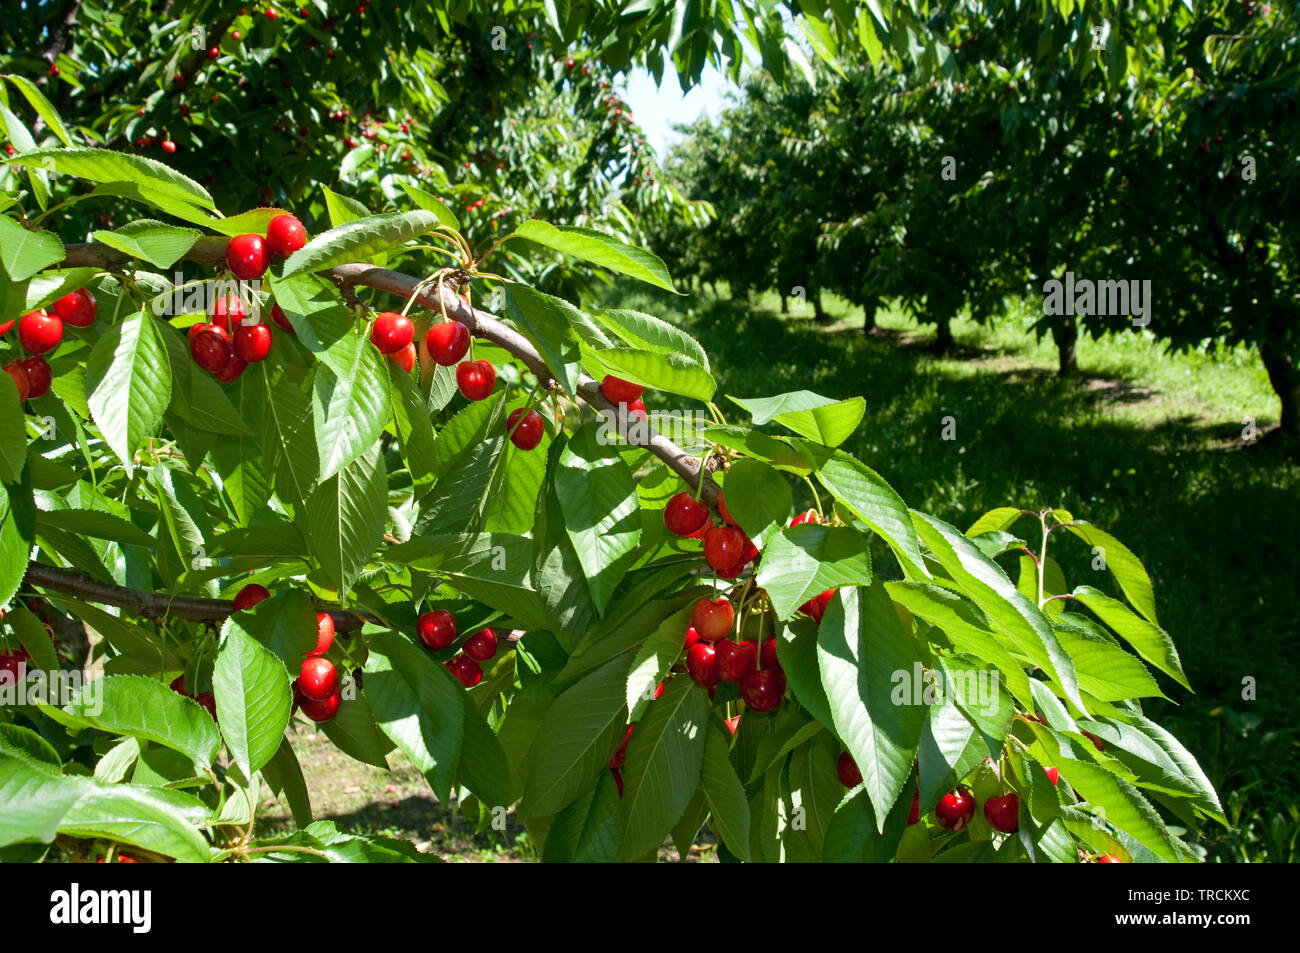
[195,330]
[767,657]
[816,606]
[178,685]
[250,596]
[324,710]
[466,670]
[848,771]
[4,328]
[319,679]
[733,723]
[914,814]
[38,376]
[324,632]
[211,350]
[724,550]
[762,690]
[712,618]
[168,146]
[1053,774]
[448,342]
[808,516]
[234,367]
[1107,859]
[19,374]
[405,358]
[279,318]
[39,332]
[722,508]
[391,332]
[252,342]
[481,646]
[285,235]
[437,629]
[955,809]
[1096,742]
[1003,812]
[529,433]
[637,409]
[619,391]
[208,701]
[685,515]
[692,636]
[77,309]
[620,756]
[227,312]
[11,661]
[735,659]
[702,663]
[476,379]
[247,257]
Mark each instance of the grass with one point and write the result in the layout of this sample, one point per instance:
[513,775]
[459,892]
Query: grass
[1143,444]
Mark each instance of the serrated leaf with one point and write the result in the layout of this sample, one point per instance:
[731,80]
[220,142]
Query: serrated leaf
[24,252]
[104,165]
[253,697]
[349,411]
[822,419]
[358,240]
[1148,639]
[725,794]
[345,518]
[128,384]
[803,561]
[599,249]
[154,242]
[669,372]
[145,708]
[430,203]
[874,502]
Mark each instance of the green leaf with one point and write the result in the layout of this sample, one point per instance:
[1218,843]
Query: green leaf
[417,704]
[430,203]
[797,653]
[358,240]
[346,516]
[145,708]
[151,241]
[350,411]
[253,696]
[590,830]
[25,252]
[654,658]
[580,731]
[998,519]
[803,561]
[1123,565]
[552,324]
[341,208]
[354,732]
[253,221]
[597,495]
[48,287]
[285,623]
[289,436]
[13,433]
[664,759]
[862,649]
[759,500]
[990,589]
[319,316]
[44,108]
[33,637]
[649,333]
[414,430]
[96,523]
[284,775]
[874,502]
[858,834]
[1124,806]
[104,165]
[1148,639]
[725,794]
[826,421]
[670,372]
[483,767]
[1105,670]
[128,384]
[600,250]
[950,749]
[760,446]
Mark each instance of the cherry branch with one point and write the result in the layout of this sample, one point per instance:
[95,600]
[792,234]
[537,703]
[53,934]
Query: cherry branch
[211,250]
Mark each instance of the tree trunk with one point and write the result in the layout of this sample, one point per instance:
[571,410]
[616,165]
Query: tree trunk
[1066,336]
[869,315]
[1283,374]
[785,305]
[943,335]
[819,315]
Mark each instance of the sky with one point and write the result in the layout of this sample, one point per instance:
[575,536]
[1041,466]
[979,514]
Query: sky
[656,110]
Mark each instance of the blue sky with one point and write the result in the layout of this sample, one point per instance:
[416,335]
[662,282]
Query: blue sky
[657,109]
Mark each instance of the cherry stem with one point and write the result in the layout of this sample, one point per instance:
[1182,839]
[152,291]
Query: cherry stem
[817,500]
[704,469]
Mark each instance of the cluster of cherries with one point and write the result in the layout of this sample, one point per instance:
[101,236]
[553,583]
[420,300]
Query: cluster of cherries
[39,333]
[713,657]
[437,631]
[227,343]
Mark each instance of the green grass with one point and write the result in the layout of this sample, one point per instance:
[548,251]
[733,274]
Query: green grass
[1143,444]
